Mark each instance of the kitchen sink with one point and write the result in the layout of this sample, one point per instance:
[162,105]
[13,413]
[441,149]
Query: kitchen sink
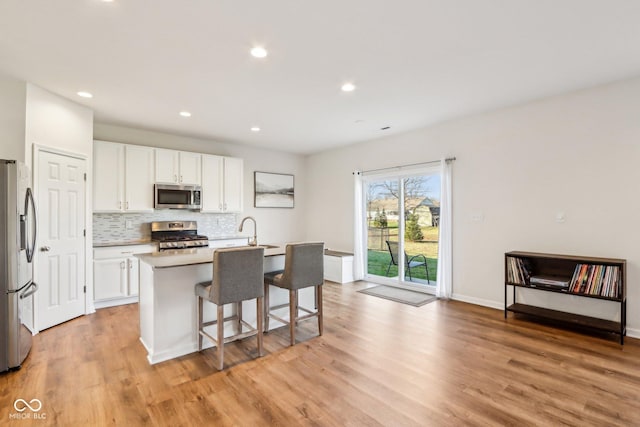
[260,246]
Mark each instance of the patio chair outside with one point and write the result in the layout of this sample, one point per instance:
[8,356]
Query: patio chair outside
[415,261]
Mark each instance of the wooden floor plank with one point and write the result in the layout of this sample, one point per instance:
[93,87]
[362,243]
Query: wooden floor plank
[379,363]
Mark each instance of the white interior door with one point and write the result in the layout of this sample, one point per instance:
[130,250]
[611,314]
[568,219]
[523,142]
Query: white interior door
[60,253]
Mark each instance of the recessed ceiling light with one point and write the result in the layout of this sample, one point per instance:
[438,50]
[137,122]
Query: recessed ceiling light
[348,87]
[255,129]
[185,114]
[258,52]
[85,94]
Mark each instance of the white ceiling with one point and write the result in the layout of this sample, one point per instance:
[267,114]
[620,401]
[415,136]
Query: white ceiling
[414,62]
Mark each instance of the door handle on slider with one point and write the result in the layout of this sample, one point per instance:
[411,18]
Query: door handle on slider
[45,248]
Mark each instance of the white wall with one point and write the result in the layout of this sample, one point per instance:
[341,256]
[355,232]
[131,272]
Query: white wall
[274,225]
[13,97]
[56,122]
[519,167]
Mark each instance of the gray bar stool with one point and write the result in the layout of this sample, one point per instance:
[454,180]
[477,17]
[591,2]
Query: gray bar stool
[303,267]
[237,276]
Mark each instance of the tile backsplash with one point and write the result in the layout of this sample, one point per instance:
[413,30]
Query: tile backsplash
[112,227]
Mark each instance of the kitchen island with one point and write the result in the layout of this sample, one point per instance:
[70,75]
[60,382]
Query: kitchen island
[168,302]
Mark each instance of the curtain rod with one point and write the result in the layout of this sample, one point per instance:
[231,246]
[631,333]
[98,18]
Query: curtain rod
[448,159]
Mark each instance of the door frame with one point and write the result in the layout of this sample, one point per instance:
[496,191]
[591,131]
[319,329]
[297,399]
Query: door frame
[88,270]
[399,174]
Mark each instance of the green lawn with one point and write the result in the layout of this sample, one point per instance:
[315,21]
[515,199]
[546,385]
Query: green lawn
[378,261]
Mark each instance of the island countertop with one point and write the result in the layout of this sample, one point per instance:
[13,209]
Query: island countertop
[168,307]
[182,257]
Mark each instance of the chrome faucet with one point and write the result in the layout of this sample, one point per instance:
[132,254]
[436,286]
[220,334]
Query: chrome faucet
[254,241]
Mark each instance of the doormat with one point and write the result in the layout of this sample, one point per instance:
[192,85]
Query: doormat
[404,296]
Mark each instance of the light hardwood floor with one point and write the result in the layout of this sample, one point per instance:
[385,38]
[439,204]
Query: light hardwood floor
[378,363]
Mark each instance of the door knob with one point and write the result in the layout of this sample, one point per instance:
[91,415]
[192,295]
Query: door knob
[45,248]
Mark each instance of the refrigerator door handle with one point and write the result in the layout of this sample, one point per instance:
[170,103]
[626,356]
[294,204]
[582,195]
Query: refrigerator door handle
[28,293]
[30,213]
[20,289]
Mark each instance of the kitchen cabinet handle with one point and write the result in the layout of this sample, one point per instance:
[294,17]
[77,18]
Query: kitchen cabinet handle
[45,248]
[220,207]
[127,205]
[180,178]
[225,206]
[120,205]
[175,178]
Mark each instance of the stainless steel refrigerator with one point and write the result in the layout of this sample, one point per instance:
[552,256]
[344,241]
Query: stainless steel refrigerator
[18,227]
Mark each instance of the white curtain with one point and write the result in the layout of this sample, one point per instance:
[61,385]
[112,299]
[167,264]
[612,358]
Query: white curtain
[358,226]
[444,288]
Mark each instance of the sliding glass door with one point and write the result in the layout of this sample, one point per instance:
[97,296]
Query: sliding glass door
[402,213]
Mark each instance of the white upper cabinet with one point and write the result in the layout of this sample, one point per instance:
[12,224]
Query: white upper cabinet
[178,167]
[122,177]
[222,184]
[167,166]
[190,168]
[212,176]
[138,178]
[108,177]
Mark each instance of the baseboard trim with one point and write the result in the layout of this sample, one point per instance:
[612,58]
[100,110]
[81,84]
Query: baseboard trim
[114,302]
[478,301]
[631,332]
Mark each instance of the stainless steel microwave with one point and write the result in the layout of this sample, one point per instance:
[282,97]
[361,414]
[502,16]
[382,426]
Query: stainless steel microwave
[170,196]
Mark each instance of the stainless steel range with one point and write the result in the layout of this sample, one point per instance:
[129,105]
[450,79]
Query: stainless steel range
[177,235]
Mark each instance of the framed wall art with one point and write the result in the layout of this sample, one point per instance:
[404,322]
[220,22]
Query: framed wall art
[273,190]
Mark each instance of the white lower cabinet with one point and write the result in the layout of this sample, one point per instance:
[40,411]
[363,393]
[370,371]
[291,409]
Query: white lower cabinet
[116,274]
[110,279]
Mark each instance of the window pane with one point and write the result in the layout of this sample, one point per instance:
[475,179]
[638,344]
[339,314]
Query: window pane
[422,216]
[382,225]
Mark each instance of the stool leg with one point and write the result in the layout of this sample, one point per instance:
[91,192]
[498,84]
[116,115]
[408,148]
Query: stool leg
[200,307]
[320,314]
[293,304]
[260,316]
[239,322]
[220,342]
[297,307]
[266,307]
